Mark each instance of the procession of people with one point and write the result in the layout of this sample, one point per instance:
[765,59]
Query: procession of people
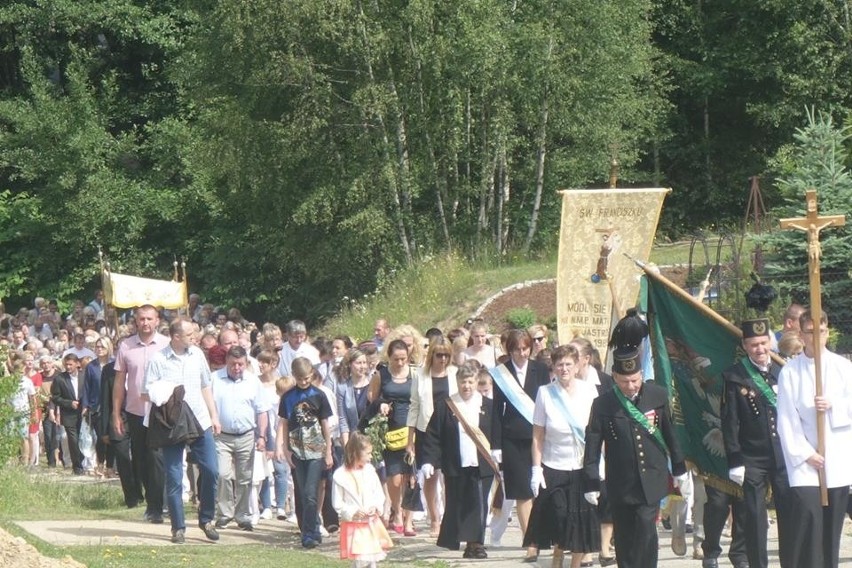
[218,412]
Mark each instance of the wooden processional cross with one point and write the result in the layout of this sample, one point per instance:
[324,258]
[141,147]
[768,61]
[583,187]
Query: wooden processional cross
[812,224]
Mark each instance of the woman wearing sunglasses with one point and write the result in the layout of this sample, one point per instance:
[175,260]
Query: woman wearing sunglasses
[433,384]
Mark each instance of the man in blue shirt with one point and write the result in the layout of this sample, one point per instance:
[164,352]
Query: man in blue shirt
[242,413]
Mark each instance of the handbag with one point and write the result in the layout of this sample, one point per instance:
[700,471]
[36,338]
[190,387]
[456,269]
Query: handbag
[87,439]
[411,492]
[368,537]
[396,439]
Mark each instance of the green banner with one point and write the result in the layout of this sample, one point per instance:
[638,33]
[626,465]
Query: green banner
[690,353]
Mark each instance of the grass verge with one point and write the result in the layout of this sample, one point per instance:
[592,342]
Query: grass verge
[43,496]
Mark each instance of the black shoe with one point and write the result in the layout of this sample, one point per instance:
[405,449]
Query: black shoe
[210,531]
[710,563]
[153,518]
[606,561]
[179,536]
[245,526]
[688,528]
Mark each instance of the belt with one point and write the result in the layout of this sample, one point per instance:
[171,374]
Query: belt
[240,434]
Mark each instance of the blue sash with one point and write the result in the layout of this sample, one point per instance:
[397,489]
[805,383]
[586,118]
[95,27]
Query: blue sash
[513,391]
[579,431]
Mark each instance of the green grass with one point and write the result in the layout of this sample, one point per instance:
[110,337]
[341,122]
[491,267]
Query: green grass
[244,556]
[444,291]
[42,496]
[440,291]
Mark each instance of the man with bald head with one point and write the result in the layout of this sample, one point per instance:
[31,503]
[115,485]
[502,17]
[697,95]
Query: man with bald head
[130,361]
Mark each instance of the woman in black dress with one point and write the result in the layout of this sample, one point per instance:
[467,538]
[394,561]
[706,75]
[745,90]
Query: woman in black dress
[512,427]
[390,388]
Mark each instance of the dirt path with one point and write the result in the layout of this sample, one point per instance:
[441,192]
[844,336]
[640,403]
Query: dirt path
[16,552]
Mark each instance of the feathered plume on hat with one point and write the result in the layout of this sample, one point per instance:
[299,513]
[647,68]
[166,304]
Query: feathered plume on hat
[629,331]
[760,295]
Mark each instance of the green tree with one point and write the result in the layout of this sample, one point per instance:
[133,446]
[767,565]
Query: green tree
[740,73]
[816,159]
[88,125]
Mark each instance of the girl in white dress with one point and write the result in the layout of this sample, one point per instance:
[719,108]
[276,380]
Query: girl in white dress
[358,498]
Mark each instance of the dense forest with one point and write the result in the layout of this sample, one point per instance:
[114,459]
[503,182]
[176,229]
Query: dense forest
[297,152]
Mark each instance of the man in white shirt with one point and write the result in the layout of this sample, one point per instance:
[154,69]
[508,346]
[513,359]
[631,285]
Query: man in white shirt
[816,541]
[296,346]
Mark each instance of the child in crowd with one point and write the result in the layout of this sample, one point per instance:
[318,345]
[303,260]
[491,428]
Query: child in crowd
[358,498]
[304,440]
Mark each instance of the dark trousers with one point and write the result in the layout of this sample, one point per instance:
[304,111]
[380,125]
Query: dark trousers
[131,485]
[104,451]
[815,542]
[715,515]
[147,465]
[72,433]
[636,542]
[51,440]
[757,482]
[306,477]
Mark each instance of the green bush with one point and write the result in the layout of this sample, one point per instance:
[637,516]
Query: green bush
[10,442]
[521,318]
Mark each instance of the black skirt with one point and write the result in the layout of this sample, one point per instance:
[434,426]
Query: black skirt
[561,515]
[395,462]
[517,468]
[467,507]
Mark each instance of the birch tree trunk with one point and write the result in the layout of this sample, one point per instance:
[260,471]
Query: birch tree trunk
[398,200]
[433,162]
[539,170]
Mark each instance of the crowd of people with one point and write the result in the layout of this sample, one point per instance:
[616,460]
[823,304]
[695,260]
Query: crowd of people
[338,434]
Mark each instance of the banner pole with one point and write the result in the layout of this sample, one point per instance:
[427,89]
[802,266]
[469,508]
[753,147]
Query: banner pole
[654,272]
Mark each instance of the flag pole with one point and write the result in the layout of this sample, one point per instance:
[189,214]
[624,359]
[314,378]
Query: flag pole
[653,272]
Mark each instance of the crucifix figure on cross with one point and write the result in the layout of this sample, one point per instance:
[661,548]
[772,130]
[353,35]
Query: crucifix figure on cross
[812,224]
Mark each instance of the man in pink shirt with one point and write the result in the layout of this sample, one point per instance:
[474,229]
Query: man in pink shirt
[133,355]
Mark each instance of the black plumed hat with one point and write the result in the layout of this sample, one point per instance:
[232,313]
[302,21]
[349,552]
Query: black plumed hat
[629,331]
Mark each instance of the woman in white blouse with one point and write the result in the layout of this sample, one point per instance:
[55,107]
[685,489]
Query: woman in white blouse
[561,516]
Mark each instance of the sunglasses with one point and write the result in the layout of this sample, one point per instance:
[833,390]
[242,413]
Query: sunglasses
[537,339]
[443,355]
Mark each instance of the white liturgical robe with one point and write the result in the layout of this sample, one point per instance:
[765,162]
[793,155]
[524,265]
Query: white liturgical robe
[797,419]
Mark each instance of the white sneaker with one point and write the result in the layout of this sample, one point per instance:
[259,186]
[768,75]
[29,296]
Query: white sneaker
[292,519]
[323,532]
[266,514]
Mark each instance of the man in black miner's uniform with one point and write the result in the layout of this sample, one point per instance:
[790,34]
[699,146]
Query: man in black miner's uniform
[752,446]
[633,419]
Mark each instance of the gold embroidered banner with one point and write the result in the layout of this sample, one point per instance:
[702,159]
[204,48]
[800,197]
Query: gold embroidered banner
[123,291]
[592,274]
